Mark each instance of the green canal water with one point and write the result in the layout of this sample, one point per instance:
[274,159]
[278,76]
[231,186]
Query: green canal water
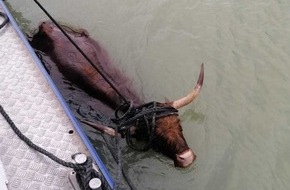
[239,127]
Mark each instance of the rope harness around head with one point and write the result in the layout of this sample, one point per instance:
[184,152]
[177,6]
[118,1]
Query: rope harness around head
[140,120]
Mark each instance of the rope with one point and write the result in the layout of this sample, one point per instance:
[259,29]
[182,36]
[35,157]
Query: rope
[142,117]
[6,20]
[83,54]
[119,163]
[117,156]
[85,172]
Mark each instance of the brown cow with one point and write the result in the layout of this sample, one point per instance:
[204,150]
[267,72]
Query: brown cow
[168,137]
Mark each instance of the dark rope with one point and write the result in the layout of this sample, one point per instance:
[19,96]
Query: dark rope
[119,163]
[6,20]
[85,172]
[83,54]
[142,117]
[117,156]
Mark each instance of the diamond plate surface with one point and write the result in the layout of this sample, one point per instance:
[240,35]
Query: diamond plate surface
[27,97]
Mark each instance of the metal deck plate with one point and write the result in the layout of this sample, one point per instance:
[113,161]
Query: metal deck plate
[32,105]
[3,179]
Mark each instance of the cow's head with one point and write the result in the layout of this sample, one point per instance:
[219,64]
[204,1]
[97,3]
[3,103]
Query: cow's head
[170,141]
[168,136]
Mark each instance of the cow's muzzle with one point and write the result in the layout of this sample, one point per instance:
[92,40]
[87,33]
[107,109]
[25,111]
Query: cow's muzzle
[184,159]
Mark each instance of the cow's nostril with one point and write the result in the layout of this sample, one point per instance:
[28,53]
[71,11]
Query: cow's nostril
[185,158]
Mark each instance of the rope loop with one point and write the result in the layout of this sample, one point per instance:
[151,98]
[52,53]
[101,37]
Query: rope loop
[125,109]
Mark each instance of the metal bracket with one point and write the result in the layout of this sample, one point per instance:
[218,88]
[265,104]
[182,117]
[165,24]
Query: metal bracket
[73,180]
[95,183]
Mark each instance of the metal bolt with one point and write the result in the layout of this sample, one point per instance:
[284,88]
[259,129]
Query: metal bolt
[80,158]
[95,183]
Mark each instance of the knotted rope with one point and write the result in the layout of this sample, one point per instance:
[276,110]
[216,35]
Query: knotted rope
[141,118]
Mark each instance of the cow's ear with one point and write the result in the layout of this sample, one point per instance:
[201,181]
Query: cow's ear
[84,33]
[166,100]
[102,128]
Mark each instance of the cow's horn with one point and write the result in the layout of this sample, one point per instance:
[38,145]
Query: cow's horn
[193,94]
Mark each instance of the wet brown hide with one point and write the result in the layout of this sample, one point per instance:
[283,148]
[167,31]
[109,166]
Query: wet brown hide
[169,138]
[50,40]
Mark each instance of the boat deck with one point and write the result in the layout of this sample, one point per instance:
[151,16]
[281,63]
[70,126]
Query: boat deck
[28,98]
